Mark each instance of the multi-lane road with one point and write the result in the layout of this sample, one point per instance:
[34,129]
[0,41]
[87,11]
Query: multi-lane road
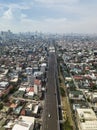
[51,114]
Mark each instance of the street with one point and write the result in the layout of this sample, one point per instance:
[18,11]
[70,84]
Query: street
[51,120]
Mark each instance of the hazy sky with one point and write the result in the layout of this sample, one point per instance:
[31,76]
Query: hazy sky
[49,15]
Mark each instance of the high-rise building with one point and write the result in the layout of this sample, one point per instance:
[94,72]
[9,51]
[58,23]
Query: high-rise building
[30,78]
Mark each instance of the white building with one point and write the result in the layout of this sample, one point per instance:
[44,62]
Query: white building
[29,70]
[30,95]
[86,119]
[4,85]
[43,67]
[37,86]
[14,79]
[30,80]
[36,109]
[36,89]
[24,123]
[38,73]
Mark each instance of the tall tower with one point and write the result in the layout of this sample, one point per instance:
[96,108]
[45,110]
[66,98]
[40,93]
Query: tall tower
[30,76]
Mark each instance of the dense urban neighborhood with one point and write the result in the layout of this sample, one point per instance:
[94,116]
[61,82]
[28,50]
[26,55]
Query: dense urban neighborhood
[48,81]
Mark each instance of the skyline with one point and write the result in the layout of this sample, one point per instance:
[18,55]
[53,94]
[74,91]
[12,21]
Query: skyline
[54,16]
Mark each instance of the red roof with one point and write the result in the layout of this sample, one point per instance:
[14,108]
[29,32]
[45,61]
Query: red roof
[6,91]
[37,82]
[78,77]
[87,77]
[30,89]
[23,112]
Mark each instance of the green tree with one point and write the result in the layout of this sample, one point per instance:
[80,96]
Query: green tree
[1,106]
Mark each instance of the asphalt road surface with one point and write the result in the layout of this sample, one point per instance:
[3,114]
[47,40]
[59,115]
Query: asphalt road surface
[51,119]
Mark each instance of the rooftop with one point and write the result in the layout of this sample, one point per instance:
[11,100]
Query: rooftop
[88,114]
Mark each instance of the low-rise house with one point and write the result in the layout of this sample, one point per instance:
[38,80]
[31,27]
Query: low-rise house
[19,94]
[38,73]
[18,110]
[86,119]
[5,88]
[24,123]
[14,79]
[28,109]
[93,99]
[78,95]
[15,104]
[30,95]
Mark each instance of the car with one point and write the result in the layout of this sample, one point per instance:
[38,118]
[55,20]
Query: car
[49,115]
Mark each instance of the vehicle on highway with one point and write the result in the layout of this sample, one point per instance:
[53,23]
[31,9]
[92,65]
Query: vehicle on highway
[49,115]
